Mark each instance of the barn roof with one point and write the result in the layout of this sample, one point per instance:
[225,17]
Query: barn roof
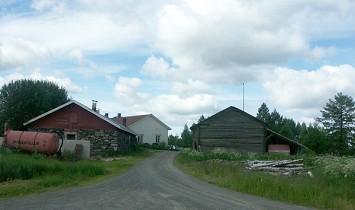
[286,138]
[130,120]
[121,127]
[231,108]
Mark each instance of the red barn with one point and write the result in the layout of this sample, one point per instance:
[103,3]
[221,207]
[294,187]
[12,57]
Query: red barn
[75,121]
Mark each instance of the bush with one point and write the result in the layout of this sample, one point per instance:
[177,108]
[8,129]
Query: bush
[336,166]
[158,146]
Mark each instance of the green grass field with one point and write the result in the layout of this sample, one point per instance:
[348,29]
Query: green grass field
[323,191]
[22,174]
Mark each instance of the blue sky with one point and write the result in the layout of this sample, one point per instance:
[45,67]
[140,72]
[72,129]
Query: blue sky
[180,59]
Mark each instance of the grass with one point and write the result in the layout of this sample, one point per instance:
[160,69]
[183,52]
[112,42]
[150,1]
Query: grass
[323,191]
[21,174]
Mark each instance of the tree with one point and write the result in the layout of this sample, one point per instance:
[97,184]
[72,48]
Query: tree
[315,138]
[287,131]
[275,121]
[186,136]
[338,118]
[263,113]
[202,118]
[174,140]
[22,100]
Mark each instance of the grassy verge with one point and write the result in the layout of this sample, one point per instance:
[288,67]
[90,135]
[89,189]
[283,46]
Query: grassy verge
[21,174]
[322,191]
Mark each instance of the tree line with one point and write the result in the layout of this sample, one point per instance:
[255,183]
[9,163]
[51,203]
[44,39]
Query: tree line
[332,132]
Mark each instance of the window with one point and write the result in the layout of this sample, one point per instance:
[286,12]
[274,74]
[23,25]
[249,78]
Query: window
[140,139]
[70,135]
[157,139]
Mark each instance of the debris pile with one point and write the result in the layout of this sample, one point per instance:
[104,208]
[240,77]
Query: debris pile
[278,167]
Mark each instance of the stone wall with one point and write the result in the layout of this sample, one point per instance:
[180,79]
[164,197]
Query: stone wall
[101,141]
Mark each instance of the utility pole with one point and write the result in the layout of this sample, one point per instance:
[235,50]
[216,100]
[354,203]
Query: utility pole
[243,96]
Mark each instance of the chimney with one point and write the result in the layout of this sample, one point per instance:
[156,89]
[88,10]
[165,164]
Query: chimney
[118,115]
[94,105]
[124,121]
[106,115]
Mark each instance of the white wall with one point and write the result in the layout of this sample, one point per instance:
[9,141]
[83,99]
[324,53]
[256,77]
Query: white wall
[150,128]
[69,145]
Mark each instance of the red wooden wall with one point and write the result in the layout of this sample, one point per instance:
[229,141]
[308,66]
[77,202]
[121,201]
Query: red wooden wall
[72,117]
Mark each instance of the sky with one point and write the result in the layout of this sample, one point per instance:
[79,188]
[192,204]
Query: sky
[181,59]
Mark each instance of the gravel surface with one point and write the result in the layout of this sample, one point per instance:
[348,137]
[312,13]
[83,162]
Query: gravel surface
[154,183]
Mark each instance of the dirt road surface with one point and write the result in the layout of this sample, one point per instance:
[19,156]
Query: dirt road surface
[154,183]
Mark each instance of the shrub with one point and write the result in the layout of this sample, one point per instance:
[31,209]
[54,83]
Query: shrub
[336,166]
[158,146]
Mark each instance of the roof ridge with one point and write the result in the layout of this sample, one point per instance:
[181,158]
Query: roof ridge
[117,125]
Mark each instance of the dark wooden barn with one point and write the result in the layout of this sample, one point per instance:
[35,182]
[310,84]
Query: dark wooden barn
[235,130]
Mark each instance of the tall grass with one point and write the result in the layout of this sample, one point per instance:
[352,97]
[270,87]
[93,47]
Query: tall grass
[23,173]
[221,154]
[23,166]
[324,190]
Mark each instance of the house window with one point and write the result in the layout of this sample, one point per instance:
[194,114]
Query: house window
[140,139]
[157,139]
[70,135]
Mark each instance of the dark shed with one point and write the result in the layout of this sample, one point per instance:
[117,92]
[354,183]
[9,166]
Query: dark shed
[236,130]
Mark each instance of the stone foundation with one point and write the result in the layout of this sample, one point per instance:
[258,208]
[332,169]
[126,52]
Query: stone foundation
[101,141]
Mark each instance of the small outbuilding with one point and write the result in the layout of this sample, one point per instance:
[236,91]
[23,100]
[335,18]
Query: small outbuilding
[78,123]
[235,130]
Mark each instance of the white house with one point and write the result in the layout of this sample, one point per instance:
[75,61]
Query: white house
[149,129]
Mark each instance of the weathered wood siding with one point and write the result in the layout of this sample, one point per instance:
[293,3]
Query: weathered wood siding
[231,130]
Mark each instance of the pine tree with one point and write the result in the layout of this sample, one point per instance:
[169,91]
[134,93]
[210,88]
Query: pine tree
[338,118]
[186,136]
[275,121]
[315,138]
[263,113]
[202,118]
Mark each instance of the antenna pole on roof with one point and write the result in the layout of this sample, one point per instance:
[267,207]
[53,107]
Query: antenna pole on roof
[243,96]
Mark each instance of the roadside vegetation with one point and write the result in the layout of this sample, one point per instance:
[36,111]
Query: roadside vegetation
[331,187]
[332,132]
[22,174]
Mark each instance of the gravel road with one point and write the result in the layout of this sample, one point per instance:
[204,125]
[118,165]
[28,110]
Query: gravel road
[152,184]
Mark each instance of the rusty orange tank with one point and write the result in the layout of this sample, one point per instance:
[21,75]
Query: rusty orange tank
[46,143]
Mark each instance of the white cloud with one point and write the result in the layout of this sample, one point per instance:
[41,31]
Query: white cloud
[190,87]
[196,47]
[16,52]
[218,41]
[65,82]
[127,90]
[295,89]
[174,108]
[157,67]
[54,5]
[77,55]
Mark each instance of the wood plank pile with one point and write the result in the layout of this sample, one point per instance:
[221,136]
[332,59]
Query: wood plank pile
[279,167]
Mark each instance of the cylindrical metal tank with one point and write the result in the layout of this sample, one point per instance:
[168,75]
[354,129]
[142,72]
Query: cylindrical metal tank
[46,143]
